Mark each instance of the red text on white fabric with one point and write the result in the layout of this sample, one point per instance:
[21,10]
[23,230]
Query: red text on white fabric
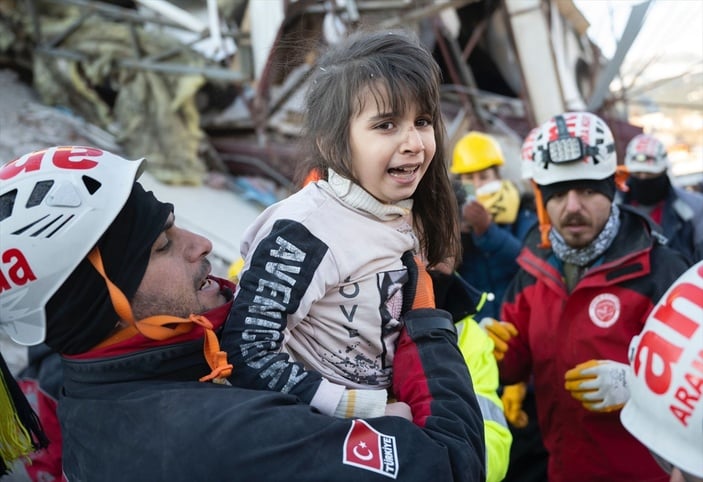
[660,353]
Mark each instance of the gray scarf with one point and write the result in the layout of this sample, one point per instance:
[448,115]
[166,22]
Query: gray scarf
[585,256]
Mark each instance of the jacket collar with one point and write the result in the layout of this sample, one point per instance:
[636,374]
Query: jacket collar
[358,198]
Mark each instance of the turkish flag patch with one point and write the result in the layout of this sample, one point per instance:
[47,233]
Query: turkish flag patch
[369,449]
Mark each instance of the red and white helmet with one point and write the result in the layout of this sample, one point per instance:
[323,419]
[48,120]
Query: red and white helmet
[55,204]
[646,153]
[665,410]
[526,151]
[573,146]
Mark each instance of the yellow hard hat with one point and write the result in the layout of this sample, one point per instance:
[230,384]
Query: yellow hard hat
[474,152]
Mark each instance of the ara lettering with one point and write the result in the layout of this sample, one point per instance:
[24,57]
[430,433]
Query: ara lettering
[688,395]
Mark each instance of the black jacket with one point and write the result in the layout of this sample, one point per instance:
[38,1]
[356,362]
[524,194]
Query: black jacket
[142,417]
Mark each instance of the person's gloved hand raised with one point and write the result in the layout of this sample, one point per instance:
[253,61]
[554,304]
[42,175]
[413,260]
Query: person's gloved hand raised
[418,291]
[500,332]
[600,385]
[512,398]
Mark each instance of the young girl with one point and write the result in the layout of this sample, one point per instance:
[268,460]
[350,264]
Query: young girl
[320,297]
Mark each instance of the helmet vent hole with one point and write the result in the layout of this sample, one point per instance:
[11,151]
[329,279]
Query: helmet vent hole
[39,193]
[7,204]
[91,184]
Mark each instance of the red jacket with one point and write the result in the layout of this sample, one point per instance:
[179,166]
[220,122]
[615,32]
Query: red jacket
[597,320]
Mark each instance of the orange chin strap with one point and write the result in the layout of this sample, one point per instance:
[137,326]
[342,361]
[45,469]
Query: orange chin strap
[156,327]
[542,217]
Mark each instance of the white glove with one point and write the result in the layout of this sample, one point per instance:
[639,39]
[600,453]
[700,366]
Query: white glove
[600,385]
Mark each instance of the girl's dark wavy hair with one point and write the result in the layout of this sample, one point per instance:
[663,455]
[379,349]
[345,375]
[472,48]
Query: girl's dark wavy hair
[396,63]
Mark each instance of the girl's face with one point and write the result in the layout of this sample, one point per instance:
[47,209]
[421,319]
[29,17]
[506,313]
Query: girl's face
[390,153]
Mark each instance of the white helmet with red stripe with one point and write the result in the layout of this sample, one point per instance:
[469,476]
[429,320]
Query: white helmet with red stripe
[573,146]
[55,204]
[646,153]
[526,151]
[665,410]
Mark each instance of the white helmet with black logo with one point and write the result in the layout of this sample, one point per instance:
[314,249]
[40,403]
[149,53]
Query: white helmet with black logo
[573,146]
[55,204]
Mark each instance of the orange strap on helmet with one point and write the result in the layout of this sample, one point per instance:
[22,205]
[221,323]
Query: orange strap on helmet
[154,327]
[542,217]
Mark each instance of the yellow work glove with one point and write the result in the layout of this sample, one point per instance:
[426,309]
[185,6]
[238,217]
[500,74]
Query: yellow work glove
[512,398]
[500,332]
[600,385]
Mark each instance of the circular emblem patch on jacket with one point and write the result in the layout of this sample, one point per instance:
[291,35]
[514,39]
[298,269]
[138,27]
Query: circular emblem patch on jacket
[604,310]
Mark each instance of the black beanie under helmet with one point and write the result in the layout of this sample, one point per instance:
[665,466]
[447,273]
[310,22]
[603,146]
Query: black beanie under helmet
[80,314]
[604,186]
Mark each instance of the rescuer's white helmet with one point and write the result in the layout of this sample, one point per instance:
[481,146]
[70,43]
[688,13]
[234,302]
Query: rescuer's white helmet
[526,151]
[573,146]
[665,409]
[646,153]
[55,204]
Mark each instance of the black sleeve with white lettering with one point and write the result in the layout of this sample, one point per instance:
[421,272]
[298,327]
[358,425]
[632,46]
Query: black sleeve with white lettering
[280,271]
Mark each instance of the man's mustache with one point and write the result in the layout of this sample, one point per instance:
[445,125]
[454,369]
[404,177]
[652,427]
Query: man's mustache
[574,219]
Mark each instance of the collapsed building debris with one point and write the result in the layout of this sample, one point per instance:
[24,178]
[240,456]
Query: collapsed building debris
[200,88]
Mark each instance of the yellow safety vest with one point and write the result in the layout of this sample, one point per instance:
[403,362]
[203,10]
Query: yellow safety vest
[477,349]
